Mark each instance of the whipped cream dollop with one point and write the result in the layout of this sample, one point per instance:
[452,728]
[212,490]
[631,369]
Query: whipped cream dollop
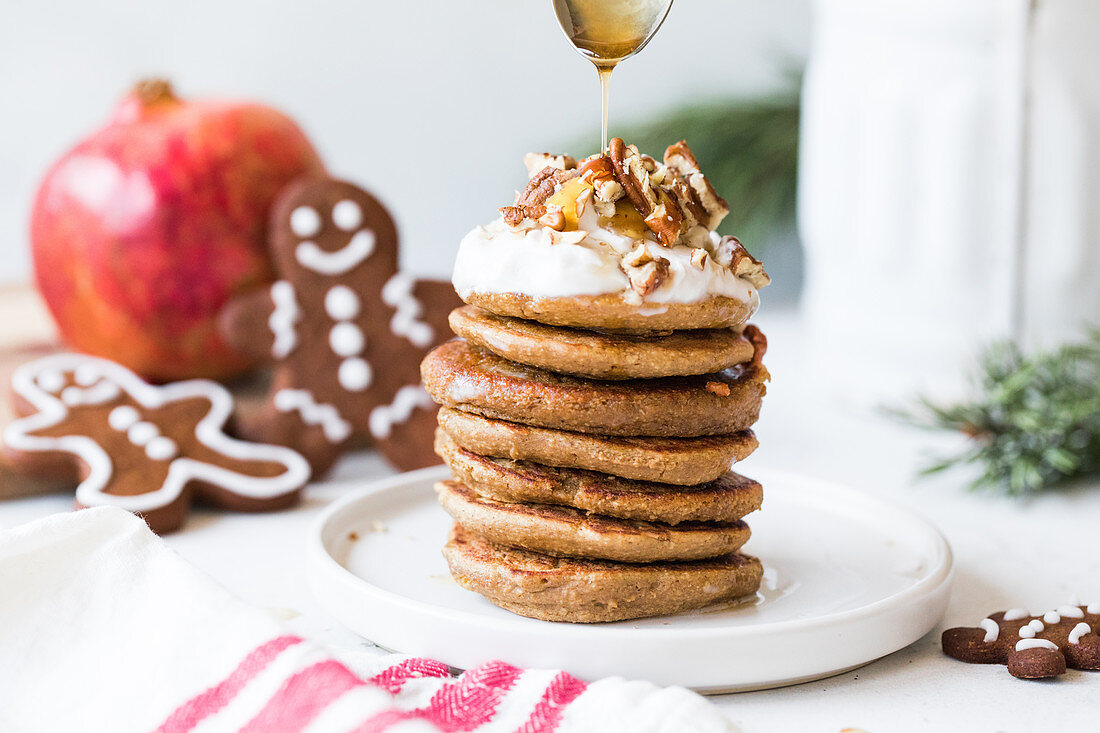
[539,263]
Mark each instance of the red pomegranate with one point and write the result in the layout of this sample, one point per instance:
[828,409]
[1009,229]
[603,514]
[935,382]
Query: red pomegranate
[145,229]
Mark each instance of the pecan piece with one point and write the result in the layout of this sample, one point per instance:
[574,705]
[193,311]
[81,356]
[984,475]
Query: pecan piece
[553,218]
[514,215]
[629,171]
[542,186]
[645,272]
[661,212]
[682,162]
[732,254]
[647,278]
[536,162]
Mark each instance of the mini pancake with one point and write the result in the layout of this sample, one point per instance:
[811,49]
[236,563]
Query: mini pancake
[726,499]
[682,461]
[472,379]
[591,591]
[568,532]
[603,355]
[612,312]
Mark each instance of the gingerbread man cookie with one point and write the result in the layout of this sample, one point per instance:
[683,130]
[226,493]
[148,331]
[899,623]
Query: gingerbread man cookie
[1033,647]
[345,329]
[149,449]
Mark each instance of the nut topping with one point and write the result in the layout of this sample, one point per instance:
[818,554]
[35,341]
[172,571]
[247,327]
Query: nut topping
[682,162]
[732,254]
[574,237]
[719,388]
[699,258]
[553,218]
[647,278]
[514,215]
[536,162]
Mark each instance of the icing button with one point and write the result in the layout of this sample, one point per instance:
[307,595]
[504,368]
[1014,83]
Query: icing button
[142,432]
[161,448]
[354,374]
[86,375]
[341,303]
[123,417]
[52,381]
[346,339]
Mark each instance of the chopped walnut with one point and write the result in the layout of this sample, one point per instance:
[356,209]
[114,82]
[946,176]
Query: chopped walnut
[732,254]
[719,388]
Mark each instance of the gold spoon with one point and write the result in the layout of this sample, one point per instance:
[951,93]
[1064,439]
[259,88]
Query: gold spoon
[609,31]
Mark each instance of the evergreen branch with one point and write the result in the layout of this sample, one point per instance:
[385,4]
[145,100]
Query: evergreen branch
[1034,423]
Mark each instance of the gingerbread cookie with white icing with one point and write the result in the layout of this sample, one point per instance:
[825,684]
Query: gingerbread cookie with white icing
[1033,647]
[148,449]
[344,329]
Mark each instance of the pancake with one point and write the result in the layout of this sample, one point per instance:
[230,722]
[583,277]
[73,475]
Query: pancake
[568,532]
[726,499]
[589,591]
[602,355]
[459,375]
[682,461]
[613,312]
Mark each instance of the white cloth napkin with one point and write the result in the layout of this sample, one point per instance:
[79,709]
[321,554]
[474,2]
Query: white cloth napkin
[104,628]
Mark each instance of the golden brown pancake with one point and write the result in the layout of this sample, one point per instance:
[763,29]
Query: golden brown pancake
[683,461]
[588,591]
[599,355]
[727,498]
[568,532]
[466,377]
[610,312]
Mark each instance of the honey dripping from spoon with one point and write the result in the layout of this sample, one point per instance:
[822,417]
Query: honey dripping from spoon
[608,31]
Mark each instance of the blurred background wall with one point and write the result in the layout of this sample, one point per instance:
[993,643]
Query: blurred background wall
[430,104]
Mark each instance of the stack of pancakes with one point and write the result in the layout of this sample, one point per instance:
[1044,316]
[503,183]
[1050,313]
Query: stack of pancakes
[591,469]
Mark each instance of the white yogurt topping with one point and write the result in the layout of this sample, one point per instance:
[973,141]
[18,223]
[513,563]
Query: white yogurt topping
[500,259]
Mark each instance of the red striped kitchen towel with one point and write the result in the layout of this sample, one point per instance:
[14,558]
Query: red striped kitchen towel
[104,628]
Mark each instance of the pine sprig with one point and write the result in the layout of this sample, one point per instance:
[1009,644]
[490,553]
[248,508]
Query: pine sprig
[1035,422]
[747,148]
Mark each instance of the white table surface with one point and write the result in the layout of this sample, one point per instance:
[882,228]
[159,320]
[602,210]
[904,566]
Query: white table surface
[1036,553]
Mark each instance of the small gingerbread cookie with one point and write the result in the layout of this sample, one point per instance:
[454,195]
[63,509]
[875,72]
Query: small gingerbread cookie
[605,355]
[344,329]
[1033,647]
[149,449]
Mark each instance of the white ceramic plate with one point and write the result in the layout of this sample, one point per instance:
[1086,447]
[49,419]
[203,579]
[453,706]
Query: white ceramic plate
[848,578]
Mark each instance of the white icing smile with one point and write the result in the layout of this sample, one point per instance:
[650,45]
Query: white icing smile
[347,258]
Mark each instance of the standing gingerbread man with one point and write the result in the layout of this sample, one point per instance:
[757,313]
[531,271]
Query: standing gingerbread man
[345,329]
